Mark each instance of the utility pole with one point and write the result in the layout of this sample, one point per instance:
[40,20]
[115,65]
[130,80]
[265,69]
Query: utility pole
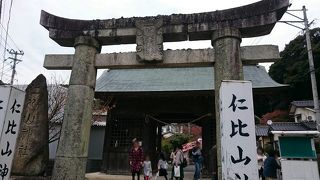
[312,69]
[15,61]
[306,29]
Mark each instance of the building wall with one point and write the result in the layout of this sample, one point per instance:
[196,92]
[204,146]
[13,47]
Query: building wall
[305,112]
[53,145]
[96,142]
[95,152]
[95,148]
[53,149]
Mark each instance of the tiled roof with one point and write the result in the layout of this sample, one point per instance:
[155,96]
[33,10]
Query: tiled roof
[174,79]
[307,103]
[310,125]
[262,130]
[288,126]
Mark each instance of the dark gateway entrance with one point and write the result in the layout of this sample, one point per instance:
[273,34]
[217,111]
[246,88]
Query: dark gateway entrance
[179,95]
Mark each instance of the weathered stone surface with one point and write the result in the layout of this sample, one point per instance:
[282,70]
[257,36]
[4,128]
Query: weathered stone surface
[70,162]
[70,168]
[149,39]
[77,118]
[228,66]
[29,178]
[252,20]
[171,58]
[83,68]
[259,54]
[32,149]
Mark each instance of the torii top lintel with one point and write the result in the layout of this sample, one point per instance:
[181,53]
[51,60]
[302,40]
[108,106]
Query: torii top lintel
[252,20]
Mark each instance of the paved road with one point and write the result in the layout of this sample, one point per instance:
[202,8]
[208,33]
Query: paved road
[101,176]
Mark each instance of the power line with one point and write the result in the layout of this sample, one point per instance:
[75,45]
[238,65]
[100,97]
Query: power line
[2,39]
[0,9]
[3,10]
[8,23]
[2,14]
[9,36]
[6,39]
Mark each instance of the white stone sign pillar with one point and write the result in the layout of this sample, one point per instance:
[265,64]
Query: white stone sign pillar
[11,106]
[238,140]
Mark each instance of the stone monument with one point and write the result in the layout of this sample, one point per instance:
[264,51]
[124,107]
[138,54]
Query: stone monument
[32,149]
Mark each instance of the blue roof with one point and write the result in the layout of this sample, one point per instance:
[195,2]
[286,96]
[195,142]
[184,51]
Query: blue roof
[174,79]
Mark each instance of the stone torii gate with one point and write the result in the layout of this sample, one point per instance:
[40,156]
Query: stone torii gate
[224,28]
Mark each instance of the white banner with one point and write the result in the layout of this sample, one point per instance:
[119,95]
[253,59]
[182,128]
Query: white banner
[11,105]
[238,139]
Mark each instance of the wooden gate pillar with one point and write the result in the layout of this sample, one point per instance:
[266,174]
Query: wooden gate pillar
[228,66]
[150,140]
[72,153]
[208,143]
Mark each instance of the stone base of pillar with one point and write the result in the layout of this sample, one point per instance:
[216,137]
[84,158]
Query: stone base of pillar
[76,168]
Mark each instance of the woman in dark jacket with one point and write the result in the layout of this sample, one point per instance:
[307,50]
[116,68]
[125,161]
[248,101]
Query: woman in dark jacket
[135,159]
[270,167]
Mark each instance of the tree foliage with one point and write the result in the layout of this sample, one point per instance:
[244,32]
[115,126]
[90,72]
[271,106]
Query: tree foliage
[276,116]
[174,141]
[293,68]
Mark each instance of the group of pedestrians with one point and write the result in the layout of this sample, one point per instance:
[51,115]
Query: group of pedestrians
[138,162]
[268,164]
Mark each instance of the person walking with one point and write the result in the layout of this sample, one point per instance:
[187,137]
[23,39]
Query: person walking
[197,159]
[162,166]
[178,163]
[271,166]
[135,159]
[172,158]
[261,158]
[147,168]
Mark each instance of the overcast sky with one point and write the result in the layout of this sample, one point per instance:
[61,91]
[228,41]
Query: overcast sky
[33,39]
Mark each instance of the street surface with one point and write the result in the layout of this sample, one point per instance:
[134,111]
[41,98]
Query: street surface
[101,176]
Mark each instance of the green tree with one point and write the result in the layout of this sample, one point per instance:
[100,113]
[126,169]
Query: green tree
[174,141]
[293,68]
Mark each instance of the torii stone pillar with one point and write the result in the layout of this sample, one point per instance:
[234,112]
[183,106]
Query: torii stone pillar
[228,66]
[71,159]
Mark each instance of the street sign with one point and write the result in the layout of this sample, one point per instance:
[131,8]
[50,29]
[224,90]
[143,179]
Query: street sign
[238,141]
